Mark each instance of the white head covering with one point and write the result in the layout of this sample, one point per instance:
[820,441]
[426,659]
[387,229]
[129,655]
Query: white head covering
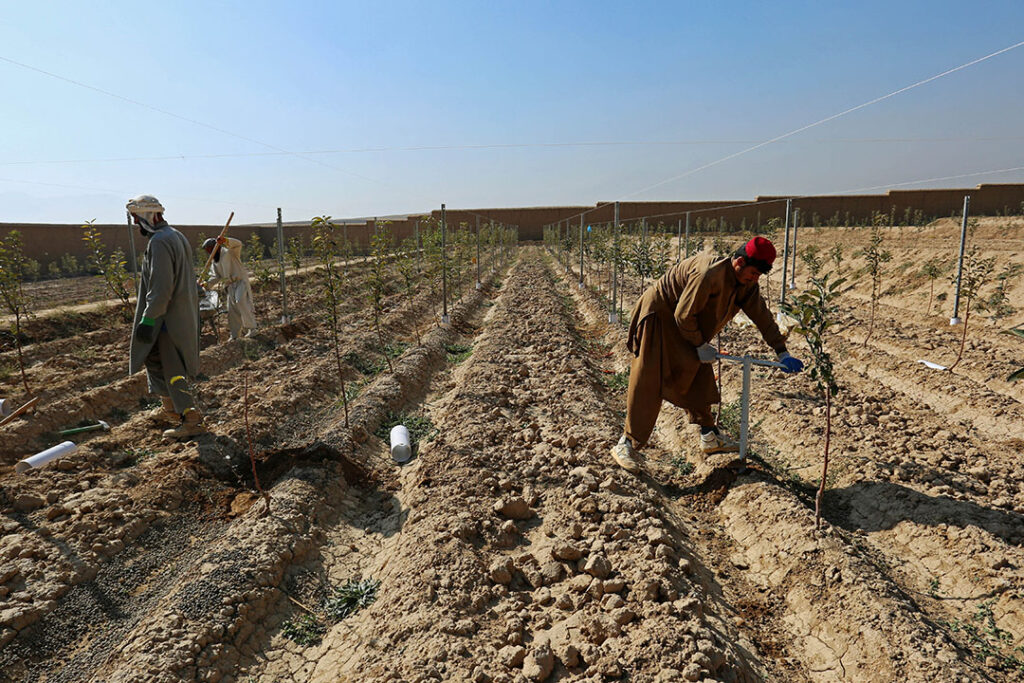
[145,206]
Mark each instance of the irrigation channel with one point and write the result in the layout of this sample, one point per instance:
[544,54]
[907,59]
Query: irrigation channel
[511,546]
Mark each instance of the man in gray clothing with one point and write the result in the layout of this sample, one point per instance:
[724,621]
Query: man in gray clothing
[166,336]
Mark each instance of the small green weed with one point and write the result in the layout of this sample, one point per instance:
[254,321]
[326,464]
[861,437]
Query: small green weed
[305,629]
[457,352]
[616,382]
[343,601]
[988,640]
[682,465]
[352,390]
[350,598]
[363,365]
[395,349]
[134,456]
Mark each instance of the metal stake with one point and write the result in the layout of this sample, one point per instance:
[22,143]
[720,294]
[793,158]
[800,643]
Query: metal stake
[444,269]
[679,239]
[581,251]
[613,316]
[280,254]
[955,320]
[785,259]
[687,234]
[796,224]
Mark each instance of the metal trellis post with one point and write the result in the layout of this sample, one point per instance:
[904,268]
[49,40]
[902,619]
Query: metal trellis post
[785,258]
[444,269]
[955,320]
[613,316]
[280,256]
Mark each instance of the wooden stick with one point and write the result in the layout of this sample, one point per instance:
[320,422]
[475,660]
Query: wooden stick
[31,402]
[216,248]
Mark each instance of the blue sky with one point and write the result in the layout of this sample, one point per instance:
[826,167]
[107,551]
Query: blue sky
[246,106]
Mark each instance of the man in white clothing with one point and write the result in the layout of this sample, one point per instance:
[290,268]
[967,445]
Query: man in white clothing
[228,269]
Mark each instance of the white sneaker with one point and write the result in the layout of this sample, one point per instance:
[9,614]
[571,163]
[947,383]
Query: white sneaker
[622,454]
[718,443]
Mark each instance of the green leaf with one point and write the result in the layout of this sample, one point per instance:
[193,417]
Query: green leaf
[1019,374]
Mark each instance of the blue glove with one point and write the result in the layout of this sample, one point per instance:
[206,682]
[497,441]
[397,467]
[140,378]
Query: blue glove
[792,364]
[145,332]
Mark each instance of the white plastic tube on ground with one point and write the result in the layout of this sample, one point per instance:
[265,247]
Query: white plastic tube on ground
[40,459]
[401,449]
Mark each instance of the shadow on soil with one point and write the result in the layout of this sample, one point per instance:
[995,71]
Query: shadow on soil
[878,506]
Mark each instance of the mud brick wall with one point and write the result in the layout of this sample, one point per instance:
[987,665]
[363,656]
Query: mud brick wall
[46,242]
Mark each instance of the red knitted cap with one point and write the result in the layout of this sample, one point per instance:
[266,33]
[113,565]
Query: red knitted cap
[762,249]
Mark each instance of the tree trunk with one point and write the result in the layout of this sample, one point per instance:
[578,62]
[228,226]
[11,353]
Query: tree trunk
[252,455]
[380,340]
[341,372]
[824,467]
[871,321]
[963,337]
[21,358]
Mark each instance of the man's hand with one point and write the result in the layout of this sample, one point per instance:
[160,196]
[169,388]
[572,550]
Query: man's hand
[145,332]
[792,364]
[222,241]
[707,353]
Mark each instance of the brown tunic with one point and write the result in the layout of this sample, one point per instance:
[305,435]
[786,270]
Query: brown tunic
[685,308]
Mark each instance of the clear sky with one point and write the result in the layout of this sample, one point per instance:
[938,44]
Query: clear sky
[326,107]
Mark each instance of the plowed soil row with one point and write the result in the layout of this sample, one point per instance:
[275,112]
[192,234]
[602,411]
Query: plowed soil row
[519,550]
[815,603]
[111,533]
[924,504]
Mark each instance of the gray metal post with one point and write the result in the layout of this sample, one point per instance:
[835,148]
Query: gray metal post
[444,269]
[643,246]
[955,320]
[796,226]
[785,259]
[478,285]
[280,256]
[748,362]
[679,240]
[134,258]
[687,238]
[581,251]
[613,316]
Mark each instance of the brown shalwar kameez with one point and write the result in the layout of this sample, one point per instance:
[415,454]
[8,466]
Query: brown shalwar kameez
[685,308]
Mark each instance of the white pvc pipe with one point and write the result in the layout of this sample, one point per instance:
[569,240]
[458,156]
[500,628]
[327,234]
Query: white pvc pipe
[5,407]
[401,449]
[40,459]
